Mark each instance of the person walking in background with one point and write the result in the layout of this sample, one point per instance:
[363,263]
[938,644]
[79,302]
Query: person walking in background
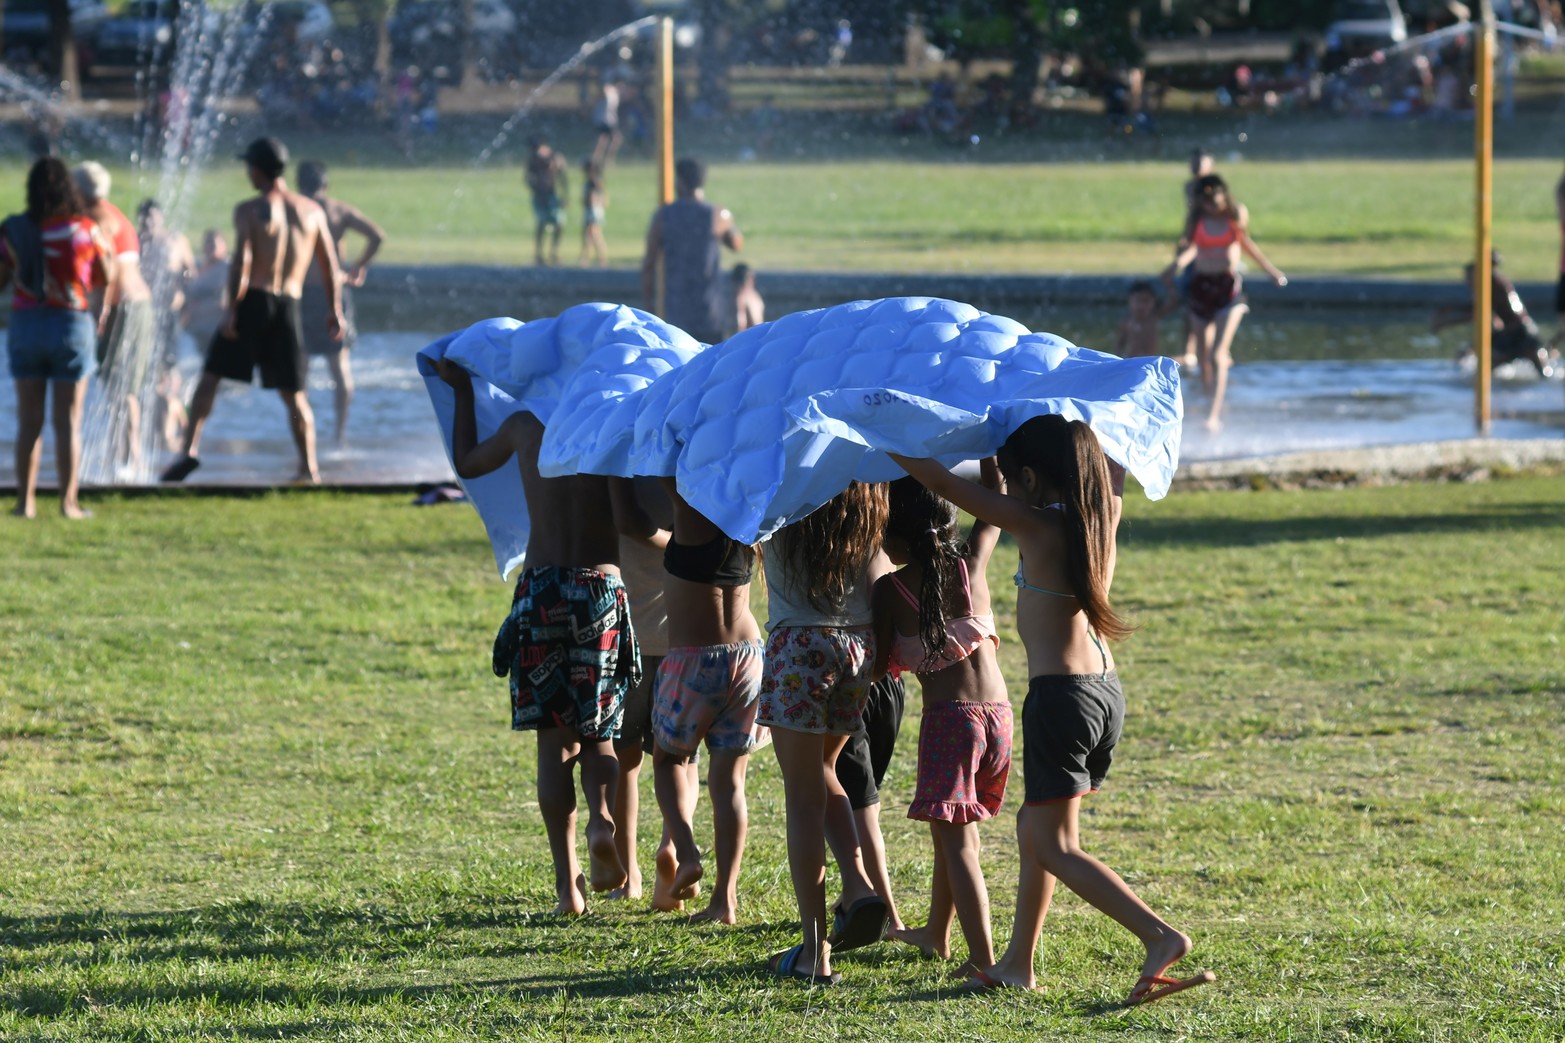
[687,237]
[57,257]
[1559,290]
[547,181]
[594,203]
[749,308]
[169,261]
[1215,234]
[605,119]
[125,319]
[341,218]
[276,235]
[206,294]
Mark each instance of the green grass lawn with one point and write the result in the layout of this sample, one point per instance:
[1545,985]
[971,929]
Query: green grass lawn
[257,782]
[1338,197]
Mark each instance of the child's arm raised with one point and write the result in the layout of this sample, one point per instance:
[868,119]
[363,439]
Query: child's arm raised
[985,536]
[470,457]
[631,518]
[989,505]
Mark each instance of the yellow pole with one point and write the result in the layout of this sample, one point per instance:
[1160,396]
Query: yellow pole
[665,134]
[1483,150]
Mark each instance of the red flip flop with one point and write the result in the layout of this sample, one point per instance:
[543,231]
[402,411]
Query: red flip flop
[1147,988]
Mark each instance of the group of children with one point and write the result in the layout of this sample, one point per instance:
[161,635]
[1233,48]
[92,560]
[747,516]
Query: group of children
[549,185]
[695,668]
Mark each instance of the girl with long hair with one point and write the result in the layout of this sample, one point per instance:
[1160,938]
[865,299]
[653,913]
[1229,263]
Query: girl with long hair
[57,257]
[816,681]
[1062,506]
[1216,233]
[933,617]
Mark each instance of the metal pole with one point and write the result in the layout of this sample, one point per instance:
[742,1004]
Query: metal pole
[1483,153]
[665,137]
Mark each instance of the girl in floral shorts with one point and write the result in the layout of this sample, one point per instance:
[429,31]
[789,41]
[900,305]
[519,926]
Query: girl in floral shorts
[815,683]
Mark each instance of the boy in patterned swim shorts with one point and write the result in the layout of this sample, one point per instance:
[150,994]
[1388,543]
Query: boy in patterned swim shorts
[567,644]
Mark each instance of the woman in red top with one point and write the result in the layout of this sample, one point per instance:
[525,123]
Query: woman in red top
[57,257]
[1215,235]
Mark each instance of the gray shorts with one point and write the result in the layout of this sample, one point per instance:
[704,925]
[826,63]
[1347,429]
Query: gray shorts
[1070,726]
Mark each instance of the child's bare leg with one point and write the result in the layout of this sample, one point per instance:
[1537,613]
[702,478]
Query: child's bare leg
[1034,893]
[842,832]
[599,782]
[969,893]
[872,852]
[1188,359]
[730,824]
[666,862]
[934,938]
[558,750]
[1222,359]
[674,785]
[1058,850]
[1203,332]
[800,756]
[627,814]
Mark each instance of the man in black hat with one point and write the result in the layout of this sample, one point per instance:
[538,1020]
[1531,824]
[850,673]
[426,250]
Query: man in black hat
[276,236]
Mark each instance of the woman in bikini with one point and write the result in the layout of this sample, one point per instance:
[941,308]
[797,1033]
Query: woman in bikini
[1215,234]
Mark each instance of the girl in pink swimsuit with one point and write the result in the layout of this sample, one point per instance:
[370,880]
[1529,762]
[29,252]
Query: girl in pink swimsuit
[1215,235]
[933,618]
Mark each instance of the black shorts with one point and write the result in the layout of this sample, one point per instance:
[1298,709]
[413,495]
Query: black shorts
[1070,726]
[861,766]
[1559,295]
[637,725]
[269,337]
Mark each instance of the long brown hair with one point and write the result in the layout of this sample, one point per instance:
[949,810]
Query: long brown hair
[1205,188]
[830,547]
[51,192]
[926,524]
[1065,457]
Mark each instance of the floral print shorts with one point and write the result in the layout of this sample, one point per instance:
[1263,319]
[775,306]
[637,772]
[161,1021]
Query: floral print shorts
[817,678]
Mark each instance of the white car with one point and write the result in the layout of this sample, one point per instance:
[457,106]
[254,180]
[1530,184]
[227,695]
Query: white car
[1362,26]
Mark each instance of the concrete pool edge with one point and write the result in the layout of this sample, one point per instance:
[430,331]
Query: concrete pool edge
[1471,459]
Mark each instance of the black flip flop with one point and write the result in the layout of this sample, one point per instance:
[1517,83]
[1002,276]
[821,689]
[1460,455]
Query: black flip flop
[785,965]
[180,469]
[862,923]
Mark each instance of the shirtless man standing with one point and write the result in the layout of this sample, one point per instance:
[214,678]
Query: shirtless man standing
[568,643]
[276,236]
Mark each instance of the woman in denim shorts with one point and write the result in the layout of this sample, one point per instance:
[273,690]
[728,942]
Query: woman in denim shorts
[56,257]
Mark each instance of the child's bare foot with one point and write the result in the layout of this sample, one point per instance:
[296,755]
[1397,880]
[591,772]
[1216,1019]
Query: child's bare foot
[686,876]
[631,888]
[924,940]
[608,872]
[1213,424]
[717,912]
[1004,976]
[663,884]
[75,512]
[24,511]
[1173,947]
[306,477]
[573,899]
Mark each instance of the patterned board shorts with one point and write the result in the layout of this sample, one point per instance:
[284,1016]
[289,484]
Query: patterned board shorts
[570,649]
[817,679]
[964,760]
[709,692]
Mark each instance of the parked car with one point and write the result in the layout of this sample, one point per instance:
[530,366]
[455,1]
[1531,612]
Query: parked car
[142,34]
[1360,27]
[26,30]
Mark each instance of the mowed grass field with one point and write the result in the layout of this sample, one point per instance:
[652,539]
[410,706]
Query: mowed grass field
[257,782]
[1408,214]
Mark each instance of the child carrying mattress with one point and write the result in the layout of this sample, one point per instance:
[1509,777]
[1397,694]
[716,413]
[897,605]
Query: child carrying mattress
[1063,507]
[933,618]
[815,684]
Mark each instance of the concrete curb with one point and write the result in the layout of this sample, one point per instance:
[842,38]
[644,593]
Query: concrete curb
[1470,457]
[990,292]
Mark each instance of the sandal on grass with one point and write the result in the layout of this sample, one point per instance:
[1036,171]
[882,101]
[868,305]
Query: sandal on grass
[786,965]
[1152,987]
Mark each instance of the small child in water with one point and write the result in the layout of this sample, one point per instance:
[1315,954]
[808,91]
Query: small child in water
[1137,335]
